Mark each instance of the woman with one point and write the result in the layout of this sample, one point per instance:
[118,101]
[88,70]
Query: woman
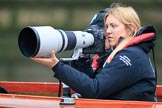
[127,73]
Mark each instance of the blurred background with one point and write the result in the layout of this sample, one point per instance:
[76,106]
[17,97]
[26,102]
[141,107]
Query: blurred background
[60,14]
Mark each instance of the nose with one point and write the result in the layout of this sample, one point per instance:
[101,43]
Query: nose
[108,31]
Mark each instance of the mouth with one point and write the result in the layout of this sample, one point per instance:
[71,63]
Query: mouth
[110,38]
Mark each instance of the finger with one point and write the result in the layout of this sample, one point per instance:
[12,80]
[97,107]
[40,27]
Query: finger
[37,59]
[52,54]
[34,59]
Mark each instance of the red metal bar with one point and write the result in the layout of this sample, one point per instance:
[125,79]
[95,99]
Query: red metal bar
[42,87]
[39,87]
[159,90]
[28,101]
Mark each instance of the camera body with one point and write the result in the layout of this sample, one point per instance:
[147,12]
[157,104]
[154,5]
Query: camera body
[99,40]
[96,27]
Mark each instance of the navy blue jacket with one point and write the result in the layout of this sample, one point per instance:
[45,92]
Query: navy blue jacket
[129,76]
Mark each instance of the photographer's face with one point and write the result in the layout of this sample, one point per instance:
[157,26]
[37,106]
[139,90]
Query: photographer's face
[114,29]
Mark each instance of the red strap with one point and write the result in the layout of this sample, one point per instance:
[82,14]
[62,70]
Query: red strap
[95,64]
[142,38]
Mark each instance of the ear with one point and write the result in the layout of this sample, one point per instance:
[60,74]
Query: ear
[131,30]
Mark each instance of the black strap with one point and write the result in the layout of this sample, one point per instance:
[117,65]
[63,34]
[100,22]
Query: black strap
[59,91]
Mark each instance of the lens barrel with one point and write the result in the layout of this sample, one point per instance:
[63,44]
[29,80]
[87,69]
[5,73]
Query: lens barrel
[39,41]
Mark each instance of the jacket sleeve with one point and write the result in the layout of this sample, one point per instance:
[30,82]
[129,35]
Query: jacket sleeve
[115,76]
[84,61]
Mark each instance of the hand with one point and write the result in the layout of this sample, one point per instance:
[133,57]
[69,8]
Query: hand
[50,62]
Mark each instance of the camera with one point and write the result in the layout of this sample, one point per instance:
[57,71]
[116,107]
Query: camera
[98,45]
[38,41]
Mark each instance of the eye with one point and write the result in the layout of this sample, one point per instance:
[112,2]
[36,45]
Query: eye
[113,25]
[106,27]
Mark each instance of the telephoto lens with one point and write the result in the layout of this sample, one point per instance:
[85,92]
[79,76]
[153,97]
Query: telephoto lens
[39,41]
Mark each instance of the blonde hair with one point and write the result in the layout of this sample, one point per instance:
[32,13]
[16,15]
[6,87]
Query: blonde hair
[126,15]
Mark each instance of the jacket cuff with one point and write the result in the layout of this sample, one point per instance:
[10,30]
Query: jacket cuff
[56,67]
